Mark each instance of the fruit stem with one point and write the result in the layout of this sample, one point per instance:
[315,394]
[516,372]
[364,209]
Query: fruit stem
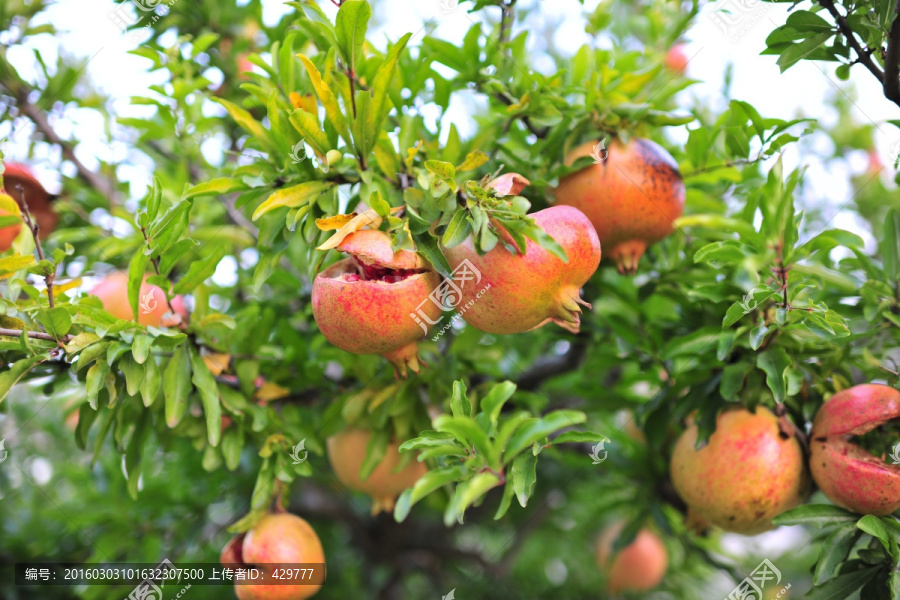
[627,255]
[403,358]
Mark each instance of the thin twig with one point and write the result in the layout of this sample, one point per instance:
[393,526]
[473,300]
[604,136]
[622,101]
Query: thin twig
[35,335]
[35,229]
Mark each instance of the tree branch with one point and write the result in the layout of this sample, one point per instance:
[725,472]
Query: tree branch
[35,335]
[545,368]
[888,77]
[39,118]
[35,228]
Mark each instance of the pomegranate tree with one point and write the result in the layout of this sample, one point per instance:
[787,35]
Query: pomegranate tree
[519,292]
[748,473]
[364,304]
[849,475]
[632,194]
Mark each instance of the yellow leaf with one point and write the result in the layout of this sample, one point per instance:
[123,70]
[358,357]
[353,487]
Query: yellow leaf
[292,197]
[11,264]
[216,362]
[8,205]
[335,222]
[270,391]
[64,287]
[327,98]
[473,161]
[369,217]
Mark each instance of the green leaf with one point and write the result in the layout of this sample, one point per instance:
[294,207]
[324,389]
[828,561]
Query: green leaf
[292,197]
[797,52]
[890,245]
[134,374]
[842,586]
[140,347]
[200,270]
[94,381]
[232,446]
[726,252]
[375,451]
[56,321]
[177,385]
[493,402]
[134,452]
[429,482]
[459,403]
[248,123]
[136,270]
[467,493]
[696,343]
[458,229]
[307,125]
[16,372]
[380,104]
[834,550]
[152,381]
[524,476]
[350,27]
[815,514]
[467,431]
[875,527]
[774,362]
[215,187]
[205,383]
[534,430]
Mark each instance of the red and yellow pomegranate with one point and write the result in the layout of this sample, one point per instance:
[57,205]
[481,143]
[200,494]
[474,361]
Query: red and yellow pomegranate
[747,474]
[632,195]
[277,539]
[153,309]
[512,293]
[850,476]
[374,301]
[346,453]
[17,174]
[638,567]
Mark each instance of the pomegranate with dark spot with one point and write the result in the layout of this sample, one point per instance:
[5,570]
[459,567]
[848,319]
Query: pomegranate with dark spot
[279,539]
[850,476]
[512,293]
[373,302]
[632,194]
[746,475]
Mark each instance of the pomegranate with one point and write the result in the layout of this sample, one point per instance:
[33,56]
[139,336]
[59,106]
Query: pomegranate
[640,566]
[279,539]
[850,476]
[748,473]
[346,453]
[676,59]
[632,195]
[371,303]
[154,311]
[37,197]
[521,292]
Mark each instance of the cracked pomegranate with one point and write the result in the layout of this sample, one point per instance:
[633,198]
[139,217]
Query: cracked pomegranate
[748,473]
[850,476]
[346,452]
[279,539]
[632,196]
[639,566]
[521,292]
[366,304]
